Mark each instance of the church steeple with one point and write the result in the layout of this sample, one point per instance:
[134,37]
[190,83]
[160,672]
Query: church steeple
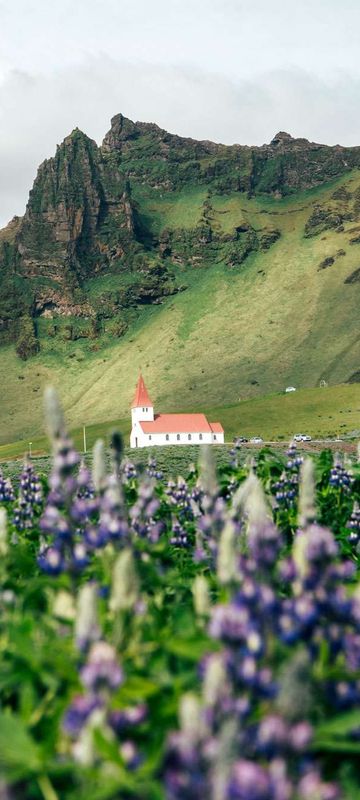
[141,398]
[142,409]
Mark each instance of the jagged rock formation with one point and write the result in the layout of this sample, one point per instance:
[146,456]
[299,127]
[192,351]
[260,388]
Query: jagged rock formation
[84,217]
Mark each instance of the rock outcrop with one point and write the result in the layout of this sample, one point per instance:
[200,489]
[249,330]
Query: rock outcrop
[82,220]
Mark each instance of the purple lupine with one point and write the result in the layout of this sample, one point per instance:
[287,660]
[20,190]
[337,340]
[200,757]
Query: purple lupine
[70,512]
[101,675]
[340,477]
[6,489]
[179,536]
[286,487]
[353,525]
[101,669]
[264,756]
[152,469]
[29,500]
[78,713]
[143,512]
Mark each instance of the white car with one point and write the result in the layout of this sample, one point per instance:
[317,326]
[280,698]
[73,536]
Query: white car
[302,437]
[256,440]
[306,437]
[290,389]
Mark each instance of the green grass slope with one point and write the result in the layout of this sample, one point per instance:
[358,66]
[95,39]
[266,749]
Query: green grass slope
[321,412]
[233,334]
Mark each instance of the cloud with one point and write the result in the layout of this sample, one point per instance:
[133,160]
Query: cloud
[37,111]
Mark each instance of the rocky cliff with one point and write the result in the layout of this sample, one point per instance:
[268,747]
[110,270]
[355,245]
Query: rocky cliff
[89,216]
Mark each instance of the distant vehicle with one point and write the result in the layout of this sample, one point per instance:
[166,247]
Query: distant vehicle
[306,438]
[302,437]
[290,389]
[241,439]
[256,440]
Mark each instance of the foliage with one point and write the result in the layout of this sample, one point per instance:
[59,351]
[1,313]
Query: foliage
[27,344]
[161,638]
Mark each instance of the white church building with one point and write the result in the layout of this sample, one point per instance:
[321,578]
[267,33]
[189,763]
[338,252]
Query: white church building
[149,429]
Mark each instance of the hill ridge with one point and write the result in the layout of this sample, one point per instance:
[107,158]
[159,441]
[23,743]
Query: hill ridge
[240,264]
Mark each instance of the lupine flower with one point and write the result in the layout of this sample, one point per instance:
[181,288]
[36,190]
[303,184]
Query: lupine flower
[340,477]
[179,536]
[29,501]
[307,511]
[200,590]
[152,469]
[86,622]
[102,668]
[227,555]
[6,489]
[3,533]
[99,466]
[125,582]
[353,524]
[78,713]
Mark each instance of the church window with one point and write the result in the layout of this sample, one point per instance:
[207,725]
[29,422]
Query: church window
[178,437]
[143,409]
[167,437]
[214,438]
[149,437]
[200,436]
[189,436]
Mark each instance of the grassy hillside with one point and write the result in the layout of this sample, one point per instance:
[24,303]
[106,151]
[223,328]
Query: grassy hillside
[332,411]
[234,333]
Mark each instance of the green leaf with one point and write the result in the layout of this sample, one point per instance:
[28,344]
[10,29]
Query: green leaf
[138,688]
[340,725]
[192,649]
[19,755]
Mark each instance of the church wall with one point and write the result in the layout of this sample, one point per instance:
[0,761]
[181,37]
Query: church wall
[161,440]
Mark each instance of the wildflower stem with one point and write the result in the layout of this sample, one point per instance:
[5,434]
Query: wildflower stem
[47,788]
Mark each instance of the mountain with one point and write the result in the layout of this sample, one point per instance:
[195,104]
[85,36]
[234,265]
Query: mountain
[223,271]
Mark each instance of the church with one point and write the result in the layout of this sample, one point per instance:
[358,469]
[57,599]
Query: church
[149,429]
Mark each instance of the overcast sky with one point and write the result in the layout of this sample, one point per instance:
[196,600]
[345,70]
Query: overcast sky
[227,70]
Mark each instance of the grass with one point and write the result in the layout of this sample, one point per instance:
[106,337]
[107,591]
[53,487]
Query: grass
[232,335]
[322,413]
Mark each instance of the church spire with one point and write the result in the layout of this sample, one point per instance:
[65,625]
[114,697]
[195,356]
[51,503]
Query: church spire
[141,394]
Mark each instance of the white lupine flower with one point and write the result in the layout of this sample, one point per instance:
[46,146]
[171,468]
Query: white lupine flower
[255,504]
[190,716]
[84,748]
[307,511]
[99,465]
[224,759]
[53,413]
[64,606]
[214,680]
[227,554]
[200,590]
[125,582]
[86,622]
[3,533]
[207,468]
[242,493]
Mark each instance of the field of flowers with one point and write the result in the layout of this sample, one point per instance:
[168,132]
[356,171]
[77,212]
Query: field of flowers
[179,639]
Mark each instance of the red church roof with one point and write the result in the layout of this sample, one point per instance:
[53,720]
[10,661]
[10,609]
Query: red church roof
[179,423]
[216,427]
[141,394]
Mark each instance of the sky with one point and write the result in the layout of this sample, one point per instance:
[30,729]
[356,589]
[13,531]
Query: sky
[224,70]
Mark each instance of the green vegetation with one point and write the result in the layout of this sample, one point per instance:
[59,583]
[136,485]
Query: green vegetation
[323,412]
[152,629]
[220,286]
